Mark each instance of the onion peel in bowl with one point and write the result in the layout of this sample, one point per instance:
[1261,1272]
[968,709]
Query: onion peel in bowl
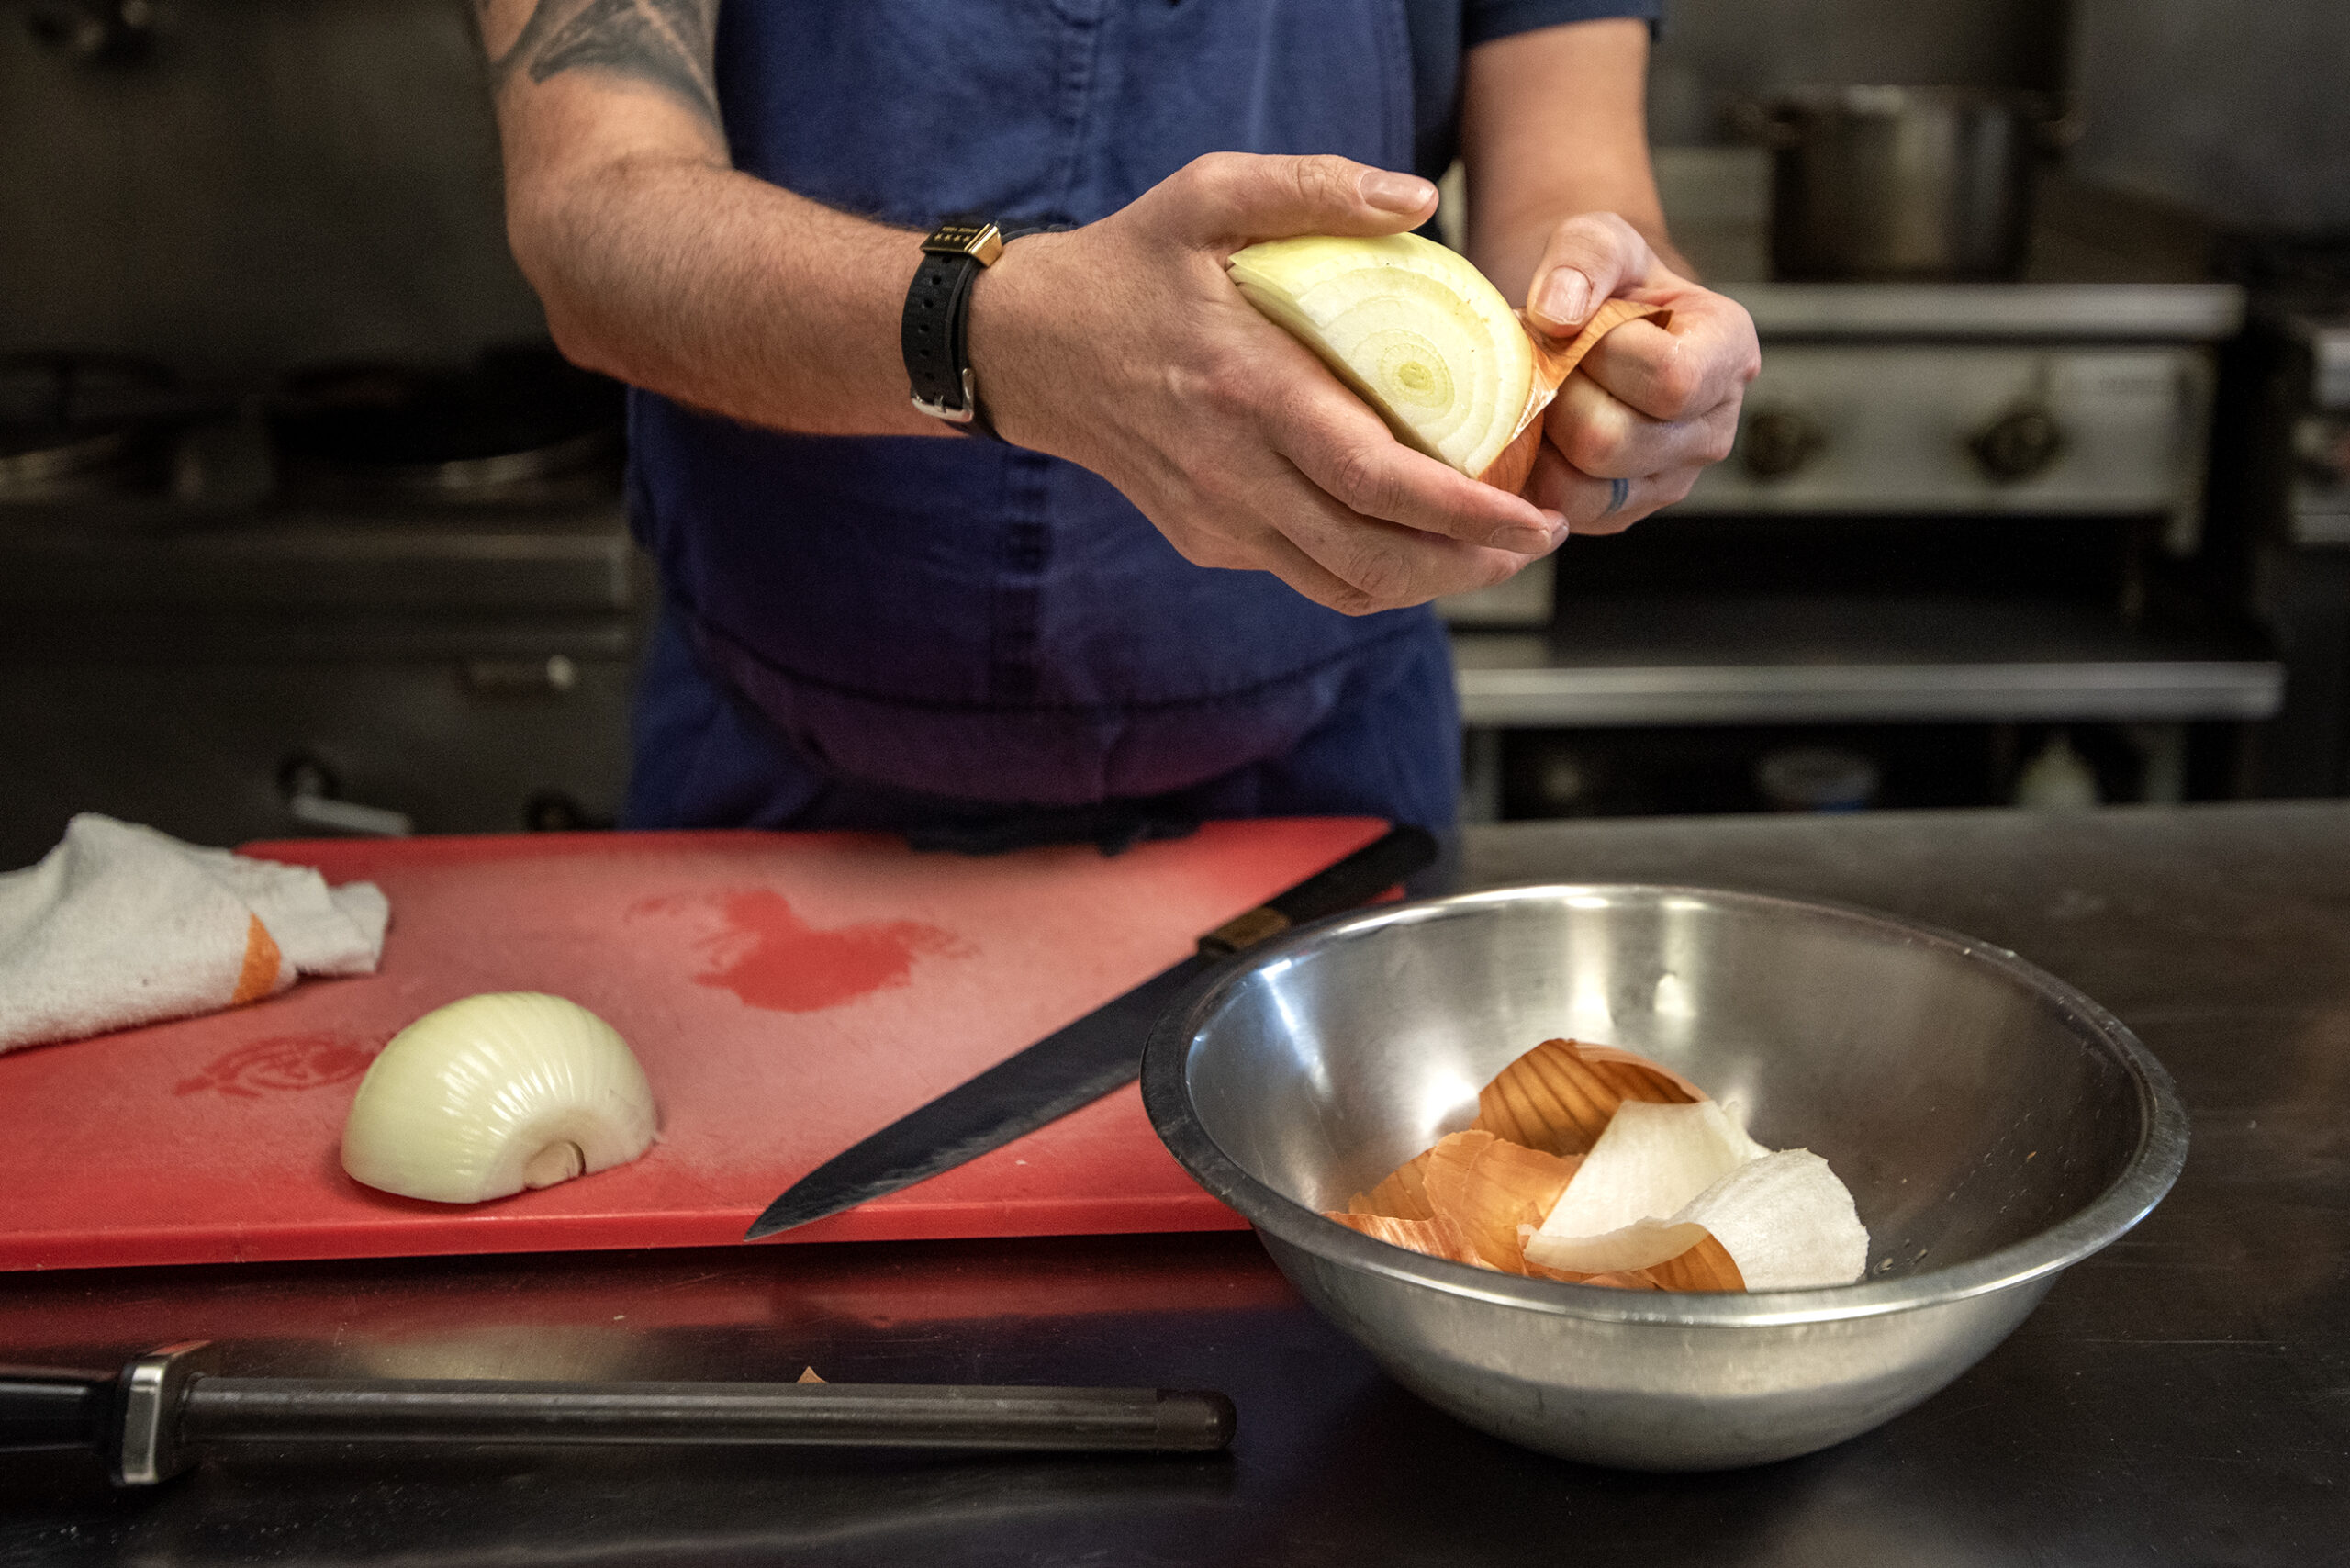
[1403,1195]
[1560,1096]
[1442,1236]
[1490,1187]
[1651,1162]
[1679,1197]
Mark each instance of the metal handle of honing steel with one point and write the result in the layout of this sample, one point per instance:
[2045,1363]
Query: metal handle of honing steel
[151,1420]
[288,1409]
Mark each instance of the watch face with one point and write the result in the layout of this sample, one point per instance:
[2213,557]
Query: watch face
[959,237]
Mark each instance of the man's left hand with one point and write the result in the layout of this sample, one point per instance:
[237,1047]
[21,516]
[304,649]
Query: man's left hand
[1650,407]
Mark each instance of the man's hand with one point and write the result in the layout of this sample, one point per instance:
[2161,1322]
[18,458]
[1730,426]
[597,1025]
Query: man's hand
[1123,346]
[1650,407]
[1552,123]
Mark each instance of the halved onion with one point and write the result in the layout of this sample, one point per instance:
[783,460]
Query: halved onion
[1421,335]
[496,1092]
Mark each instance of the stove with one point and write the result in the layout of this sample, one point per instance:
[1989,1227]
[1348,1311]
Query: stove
[520,427]
[80,425]
[1969,505]
[366,597]
[2284,457]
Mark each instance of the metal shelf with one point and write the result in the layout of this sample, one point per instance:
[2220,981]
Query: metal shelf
[1709,662]
[2068,312]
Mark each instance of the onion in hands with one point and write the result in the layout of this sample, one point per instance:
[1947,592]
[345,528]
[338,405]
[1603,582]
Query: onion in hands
[486,1096]
[1421,336]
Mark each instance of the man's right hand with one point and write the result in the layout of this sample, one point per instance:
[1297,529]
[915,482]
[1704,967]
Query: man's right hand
[1123,346]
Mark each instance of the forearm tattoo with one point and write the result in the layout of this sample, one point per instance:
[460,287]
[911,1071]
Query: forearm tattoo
[666,44]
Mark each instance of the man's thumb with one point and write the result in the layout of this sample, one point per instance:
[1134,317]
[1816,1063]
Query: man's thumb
[1244,198]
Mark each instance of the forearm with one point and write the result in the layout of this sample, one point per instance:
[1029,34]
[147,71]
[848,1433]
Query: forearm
[1554,124]
[660,263]
[727,293]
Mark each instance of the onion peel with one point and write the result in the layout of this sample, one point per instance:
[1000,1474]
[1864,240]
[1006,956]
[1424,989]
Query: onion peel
[1484,1196]
[1490,1186]
[1442,1236]
[1403,1194]
[1560,1096]
[1651,1162]
[1553,363]
[1705,1267]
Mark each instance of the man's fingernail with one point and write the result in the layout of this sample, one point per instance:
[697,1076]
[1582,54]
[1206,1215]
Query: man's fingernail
[1556,521]
[1520,540]
[1392,191]
[1565,297]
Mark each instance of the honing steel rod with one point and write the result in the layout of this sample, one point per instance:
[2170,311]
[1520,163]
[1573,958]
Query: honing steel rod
[161,1412]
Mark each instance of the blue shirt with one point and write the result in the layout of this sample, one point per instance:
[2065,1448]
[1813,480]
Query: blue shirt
[927,620]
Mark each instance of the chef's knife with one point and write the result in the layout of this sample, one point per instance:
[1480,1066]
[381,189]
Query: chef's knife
[162,1411]
[1078,1064]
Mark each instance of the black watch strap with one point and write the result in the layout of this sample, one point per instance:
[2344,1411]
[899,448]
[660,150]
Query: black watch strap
[935,332]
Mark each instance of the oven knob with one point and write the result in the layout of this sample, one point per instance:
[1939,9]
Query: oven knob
[110,31]
[1778,442]
[2019,445]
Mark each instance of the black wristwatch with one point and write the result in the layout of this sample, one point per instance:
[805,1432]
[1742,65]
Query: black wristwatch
[934,334]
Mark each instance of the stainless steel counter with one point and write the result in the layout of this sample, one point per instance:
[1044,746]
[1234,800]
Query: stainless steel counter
[2183,1398]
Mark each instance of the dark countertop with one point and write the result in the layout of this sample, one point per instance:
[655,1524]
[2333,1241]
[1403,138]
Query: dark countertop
[2182,1398]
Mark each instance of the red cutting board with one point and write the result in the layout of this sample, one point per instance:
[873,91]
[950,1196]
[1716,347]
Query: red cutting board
[788,993]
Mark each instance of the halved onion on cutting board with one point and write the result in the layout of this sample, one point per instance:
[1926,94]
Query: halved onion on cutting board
[496,1093]
[1421,335]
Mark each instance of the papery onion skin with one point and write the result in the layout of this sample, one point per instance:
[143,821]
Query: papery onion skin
[1780,1221]
[500,1091]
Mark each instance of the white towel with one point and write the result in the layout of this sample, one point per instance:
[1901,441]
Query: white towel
[120,924]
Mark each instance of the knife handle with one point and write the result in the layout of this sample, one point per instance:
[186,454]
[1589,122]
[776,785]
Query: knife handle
[44,1408]
[1360,877]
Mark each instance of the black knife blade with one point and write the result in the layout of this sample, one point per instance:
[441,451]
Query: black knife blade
[1079,1063]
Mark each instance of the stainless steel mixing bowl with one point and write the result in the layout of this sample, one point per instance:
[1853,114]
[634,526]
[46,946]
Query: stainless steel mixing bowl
[1994,1125]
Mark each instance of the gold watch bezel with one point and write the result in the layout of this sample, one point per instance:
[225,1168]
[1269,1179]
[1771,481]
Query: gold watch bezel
[983,243]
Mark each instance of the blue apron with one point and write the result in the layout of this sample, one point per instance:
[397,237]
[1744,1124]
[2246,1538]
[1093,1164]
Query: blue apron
[897,632]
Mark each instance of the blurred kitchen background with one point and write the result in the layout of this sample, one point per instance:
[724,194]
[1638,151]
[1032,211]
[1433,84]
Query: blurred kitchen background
[2043,498]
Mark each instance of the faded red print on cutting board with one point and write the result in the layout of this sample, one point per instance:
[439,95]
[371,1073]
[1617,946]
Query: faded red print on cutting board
[773,959]
[282,1063]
